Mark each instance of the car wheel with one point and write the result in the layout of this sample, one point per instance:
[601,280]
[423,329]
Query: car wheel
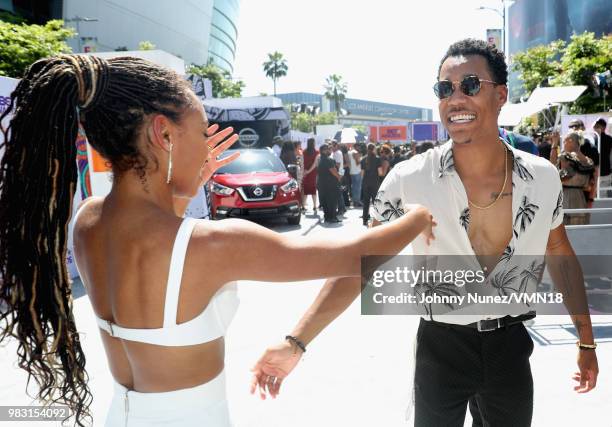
[294,220]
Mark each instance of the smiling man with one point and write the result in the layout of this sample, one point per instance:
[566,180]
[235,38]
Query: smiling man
[494,205]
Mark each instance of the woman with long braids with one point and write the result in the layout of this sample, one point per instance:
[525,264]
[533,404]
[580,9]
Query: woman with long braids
[155,280]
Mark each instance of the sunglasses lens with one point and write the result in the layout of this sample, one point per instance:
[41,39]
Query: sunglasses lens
[470,85]
[443,89]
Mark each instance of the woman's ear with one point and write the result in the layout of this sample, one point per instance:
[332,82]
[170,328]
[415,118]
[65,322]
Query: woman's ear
[159,132]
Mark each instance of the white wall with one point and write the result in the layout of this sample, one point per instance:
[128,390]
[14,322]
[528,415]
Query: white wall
[180,27]
[158,57]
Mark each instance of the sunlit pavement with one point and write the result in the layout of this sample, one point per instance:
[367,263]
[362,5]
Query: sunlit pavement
[355,372]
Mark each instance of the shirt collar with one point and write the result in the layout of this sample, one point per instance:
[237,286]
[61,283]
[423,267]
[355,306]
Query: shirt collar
[523,169]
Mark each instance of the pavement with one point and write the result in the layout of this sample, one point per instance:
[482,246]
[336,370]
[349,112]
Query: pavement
[355,373]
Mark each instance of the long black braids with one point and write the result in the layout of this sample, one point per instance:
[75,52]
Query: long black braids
[38,176]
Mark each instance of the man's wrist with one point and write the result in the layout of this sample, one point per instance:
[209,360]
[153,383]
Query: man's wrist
[589,346]
[296,342]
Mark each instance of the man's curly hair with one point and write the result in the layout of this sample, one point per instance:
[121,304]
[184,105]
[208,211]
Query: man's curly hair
[495,57]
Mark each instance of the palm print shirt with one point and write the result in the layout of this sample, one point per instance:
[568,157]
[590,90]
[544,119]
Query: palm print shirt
[430,179]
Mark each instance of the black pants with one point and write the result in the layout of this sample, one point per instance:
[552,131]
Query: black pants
[489,369]
[328,197]
[368,195]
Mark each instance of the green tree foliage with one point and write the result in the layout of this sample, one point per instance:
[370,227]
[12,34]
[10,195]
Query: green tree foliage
[584,57]
[22,45]
[275,67]
[146,45]
[305,122]
[222,84]
[538,63]
[564,65]
[12,18]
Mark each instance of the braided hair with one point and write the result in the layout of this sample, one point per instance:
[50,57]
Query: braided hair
[38,176]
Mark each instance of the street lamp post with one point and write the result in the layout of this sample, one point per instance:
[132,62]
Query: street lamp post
[502,14]
[78,20]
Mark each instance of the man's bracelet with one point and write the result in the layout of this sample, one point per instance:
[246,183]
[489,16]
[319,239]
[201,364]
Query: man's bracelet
[586,346]
[297,342]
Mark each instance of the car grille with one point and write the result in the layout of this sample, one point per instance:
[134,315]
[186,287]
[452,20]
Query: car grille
[257,192]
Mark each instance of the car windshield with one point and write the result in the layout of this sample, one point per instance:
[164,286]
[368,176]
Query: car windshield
[252,161]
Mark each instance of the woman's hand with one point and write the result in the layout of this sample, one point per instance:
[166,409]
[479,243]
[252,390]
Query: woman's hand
[422,211]
[218,142]
[555,140]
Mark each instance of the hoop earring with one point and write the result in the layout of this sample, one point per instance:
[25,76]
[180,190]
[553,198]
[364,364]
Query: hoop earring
[169,177]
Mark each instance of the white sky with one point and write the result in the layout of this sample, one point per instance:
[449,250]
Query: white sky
[385,50]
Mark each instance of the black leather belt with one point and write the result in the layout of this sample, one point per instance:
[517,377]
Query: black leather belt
[500,322]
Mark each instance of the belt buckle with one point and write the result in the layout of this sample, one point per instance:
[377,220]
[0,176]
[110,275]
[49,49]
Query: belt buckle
[482,329]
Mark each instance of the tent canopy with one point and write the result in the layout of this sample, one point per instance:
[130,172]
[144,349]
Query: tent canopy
[540,99]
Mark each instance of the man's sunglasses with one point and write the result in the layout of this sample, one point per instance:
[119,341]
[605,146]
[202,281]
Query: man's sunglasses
[470,85]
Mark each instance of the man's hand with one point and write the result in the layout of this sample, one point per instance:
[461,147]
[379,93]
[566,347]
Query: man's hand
[587,377]
[273,367]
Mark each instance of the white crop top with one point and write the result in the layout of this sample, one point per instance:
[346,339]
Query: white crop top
[209,325]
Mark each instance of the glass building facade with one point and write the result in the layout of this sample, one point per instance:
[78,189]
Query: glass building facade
[224,33]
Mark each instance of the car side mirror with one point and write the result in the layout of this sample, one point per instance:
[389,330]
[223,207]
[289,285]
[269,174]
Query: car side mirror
[292,169]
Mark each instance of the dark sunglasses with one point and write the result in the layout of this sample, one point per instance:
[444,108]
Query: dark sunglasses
[470,85]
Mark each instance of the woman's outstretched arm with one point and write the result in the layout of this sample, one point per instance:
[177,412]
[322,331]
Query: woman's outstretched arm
[241,250]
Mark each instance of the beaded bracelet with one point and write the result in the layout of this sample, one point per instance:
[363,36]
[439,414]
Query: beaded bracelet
[297,342]
[586,346]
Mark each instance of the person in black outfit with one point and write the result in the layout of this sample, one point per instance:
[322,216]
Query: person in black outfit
[397,156]
[589,149]
[371,172]
[544,147]
[605,144]
[328,182]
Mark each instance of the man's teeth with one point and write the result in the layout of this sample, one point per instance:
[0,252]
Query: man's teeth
[462,118]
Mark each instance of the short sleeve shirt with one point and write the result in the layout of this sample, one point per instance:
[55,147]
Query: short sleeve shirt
[430,179]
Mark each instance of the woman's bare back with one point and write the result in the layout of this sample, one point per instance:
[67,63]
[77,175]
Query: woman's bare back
[124,261]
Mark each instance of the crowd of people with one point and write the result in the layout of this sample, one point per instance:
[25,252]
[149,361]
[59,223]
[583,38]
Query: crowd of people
[582,160]
[337,176]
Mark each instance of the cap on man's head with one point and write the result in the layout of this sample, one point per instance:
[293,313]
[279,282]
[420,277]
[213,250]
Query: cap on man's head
[576,123]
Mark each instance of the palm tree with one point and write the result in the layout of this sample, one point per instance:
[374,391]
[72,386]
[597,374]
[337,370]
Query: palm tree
[503,280]
[335,90]
[464,219]
[532,273]
[435,288]
[275,67]
[392,209]
[525,215]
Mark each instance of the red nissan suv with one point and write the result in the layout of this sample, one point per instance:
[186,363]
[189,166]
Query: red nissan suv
[256,185]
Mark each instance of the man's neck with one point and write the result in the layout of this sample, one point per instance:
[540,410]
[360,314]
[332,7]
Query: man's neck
[479,158]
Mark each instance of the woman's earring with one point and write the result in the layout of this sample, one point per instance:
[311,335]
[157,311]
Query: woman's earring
[169,178]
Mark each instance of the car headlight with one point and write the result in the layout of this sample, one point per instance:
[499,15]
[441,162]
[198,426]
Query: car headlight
[221,190]
[291,185]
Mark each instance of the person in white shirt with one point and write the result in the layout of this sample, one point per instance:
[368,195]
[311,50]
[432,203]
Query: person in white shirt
[355,171]
[494,205]
[277,141]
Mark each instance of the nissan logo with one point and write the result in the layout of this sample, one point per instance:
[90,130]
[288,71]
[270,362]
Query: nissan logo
[248,137]
[258,191]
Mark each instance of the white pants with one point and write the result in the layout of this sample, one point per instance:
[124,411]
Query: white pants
[204,405]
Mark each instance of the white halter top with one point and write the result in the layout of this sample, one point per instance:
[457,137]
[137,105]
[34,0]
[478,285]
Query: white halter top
[209,325]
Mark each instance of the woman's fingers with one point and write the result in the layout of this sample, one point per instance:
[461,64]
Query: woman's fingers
[217,137]
[220,148]
[227,160]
